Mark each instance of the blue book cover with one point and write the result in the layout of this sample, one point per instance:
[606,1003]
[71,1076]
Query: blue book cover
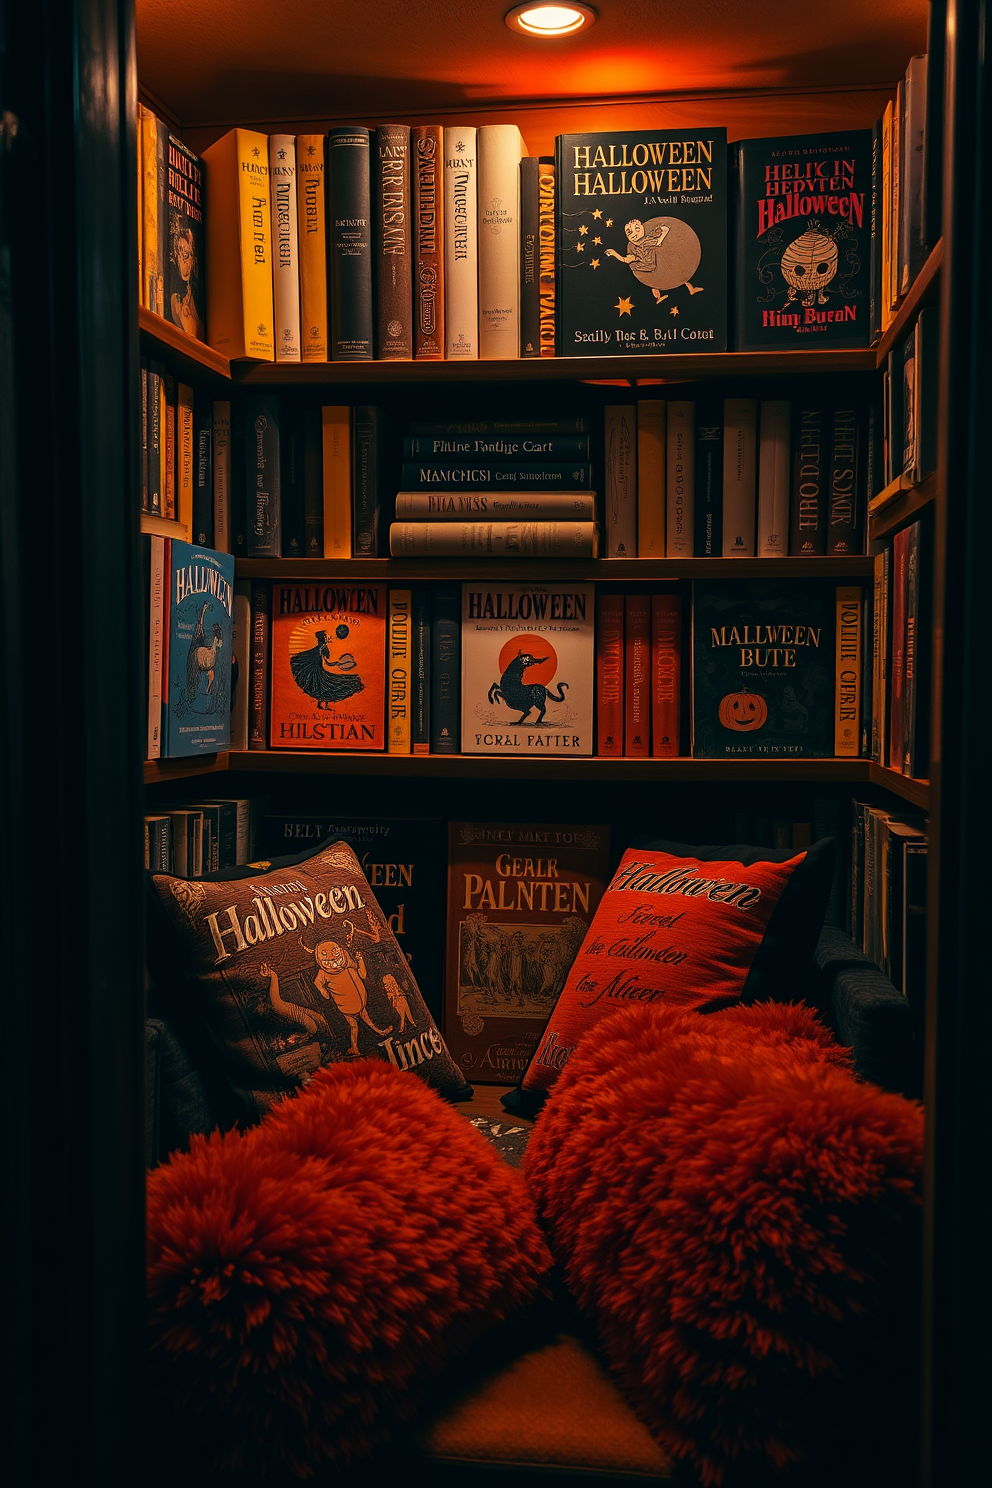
[196,693]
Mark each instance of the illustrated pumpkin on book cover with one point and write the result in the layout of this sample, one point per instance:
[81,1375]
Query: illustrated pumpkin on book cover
[328,666]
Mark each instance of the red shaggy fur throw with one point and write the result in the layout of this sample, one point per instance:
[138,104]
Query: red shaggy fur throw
[737,1216]
[310,1279]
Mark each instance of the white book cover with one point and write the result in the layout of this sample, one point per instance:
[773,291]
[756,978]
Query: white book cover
[527,668]
[500,149]
[773,478]
[680,479]
[285,246]
[156,641]
[621,480]
[461,245]
[740,419]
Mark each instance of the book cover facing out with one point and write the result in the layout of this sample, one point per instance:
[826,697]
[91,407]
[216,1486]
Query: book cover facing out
[803,241]
[642,242]
[527,669]
[763,669]
[196,707]
[328,647]
[187,267]
[520,900]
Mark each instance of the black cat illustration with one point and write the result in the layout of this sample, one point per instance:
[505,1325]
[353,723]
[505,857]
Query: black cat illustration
[512,690]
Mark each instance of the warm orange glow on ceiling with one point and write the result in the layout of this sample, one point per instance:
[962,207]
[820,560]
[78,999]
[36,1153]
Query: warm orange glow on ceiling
[550,20]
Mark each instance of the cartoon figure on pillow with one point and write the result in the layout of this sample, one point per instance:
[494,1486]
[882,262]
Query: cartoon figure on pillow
[341,979]
[397,997]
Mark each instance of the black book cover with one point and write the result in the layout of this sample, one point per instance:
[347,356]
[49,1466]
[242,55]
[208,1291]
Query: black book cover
[404,860]
[203,471]
[291,459]
[642,242]
[845,507]
[803,241]
[446,670]
[810,472]
[530,258]
[263,484]
[349,243]
[313,484]
[763,669]
[186,277]
[227,832]
[365,481]
[420,692]
[394,243]
[708,525]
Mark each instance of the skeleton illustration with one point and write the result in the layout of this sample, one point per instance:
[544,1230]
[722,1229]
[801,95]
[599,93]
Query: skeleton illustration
[808,265]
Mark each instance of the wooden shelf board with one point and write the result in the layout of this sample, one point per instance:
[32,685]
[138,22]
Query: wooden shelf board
[690,367]
[916,791]
[601,570]
[921,292]
[901,500]
[164,339]
[160,770]
[164,526]
[506,767]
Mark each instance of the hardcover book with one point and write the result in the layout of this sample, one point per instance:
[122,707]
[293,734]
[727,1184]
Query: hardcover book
[184,202]
[527,669]
[500,149]
[349,243]
[642,242]
[763,663]
[285,246]
[803,250]
[311,201]
[609,675]
[394,242]
[427,167]
[196,678]
[239,246]
[461,245]
[520,900]
[328,645]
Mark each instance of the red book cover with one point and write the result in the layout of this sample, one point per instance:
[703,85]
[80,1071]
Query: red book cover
[897,673]
[666,662]
[328,647]
[609,676]
[637,675]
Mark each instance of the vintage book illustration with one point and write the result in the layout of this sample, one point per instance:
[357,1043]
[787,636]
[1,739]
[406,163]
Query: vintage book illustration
[328,646]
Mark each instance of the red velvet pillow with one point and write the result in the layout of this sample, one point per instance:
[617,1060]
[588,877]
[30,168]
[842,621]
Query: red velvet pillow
[688,929]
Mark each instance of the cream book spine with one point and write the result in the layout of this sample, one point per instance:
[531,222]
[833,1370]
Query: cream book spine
[285,247]
[773,479]
[652,429]
[311,223]
[500,149]
[680,480]
[740,417]
[461,246]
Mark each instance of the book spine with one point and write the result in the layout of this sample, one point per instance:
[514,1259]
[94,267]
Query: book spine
[258,337]
[420,723]
[337,479]
[844,524]
[559,447]
[847,688]
[154,381]
[349,243]
[774,461]
[203,473]
[399,643]
[427,156]
[609,676]
[285,247]
[293,541]
[666,666]
[446,689]
[807,526]
[913,161]
[222,476]
[365,483]
[680,481]
[897,672]
[875,282]
[149,197]
[185,463]
[652,429]
[637,676]
[529,506]
[547,255]
[916,718]
[241,646]
[740,416]
[530,270]
[885,293]
[169,447]
[897,168]
[394,243]
[878,657]
[499,153]
[709,481]
[264,516]
[621,480]
[461,246]
[166,627]
[311,231]
[258,718]
[161,212]
[144,438]
[483,476]
[156,636]
[313,484]
[493,540]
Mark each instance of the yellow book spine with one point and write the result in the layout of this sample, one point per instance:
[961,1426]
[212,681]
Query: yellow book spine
[149,176]
[256,244]
[651,455]
[141,211]
[184,457]
[240,317]
[847,689]
[313,246]
[336,424]
[400,661]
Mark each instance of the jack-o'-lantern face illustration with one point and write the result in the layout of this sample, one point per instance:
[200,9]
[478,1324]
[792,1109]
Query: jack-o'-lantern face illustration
[742,711]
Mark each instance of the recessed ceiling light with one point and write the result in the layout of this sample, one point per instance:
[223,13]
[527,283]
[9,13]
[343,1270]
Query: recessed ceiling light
[550,20]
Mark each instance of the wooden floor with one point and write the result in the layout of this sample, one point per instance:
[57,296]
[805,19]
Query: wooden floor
[485,1102]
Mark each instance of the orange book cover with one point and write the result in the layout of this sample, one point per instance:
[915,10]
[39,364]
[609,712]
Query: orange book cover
[328,647]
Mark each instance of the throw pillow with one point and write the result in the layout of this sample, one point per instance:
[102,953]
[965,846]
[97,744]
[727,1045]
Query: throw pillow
[696,928]
[293,966]
[310,1280]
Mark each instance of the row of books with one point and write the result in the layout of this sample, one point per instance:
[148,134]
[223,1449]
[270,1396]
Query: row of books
[175,448]
[170,226]
[191,840]
[909,402]
[902,651]
[888,893]
[909,139]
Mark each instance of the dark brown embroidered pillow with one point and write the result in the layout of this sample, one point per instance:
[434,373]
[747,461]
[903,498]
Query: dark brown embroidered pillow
[293,966]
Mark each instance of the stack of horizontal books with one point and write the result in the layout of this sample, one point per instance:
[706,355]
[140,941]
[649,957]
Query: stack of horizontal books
[496,489]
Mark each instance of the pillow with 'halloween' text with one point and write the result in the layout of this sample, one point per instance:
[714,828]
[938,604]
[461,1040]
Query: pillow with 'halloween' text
[292,965]
[692,927]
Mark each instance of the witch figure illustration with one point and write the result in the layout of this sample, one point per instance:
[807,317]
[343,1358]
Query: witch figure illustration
[316,673]
[664,252]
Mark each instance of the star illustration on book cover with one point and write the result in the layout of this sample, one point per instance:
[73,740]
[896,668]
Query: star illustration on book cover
[662,253]
[325,677]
